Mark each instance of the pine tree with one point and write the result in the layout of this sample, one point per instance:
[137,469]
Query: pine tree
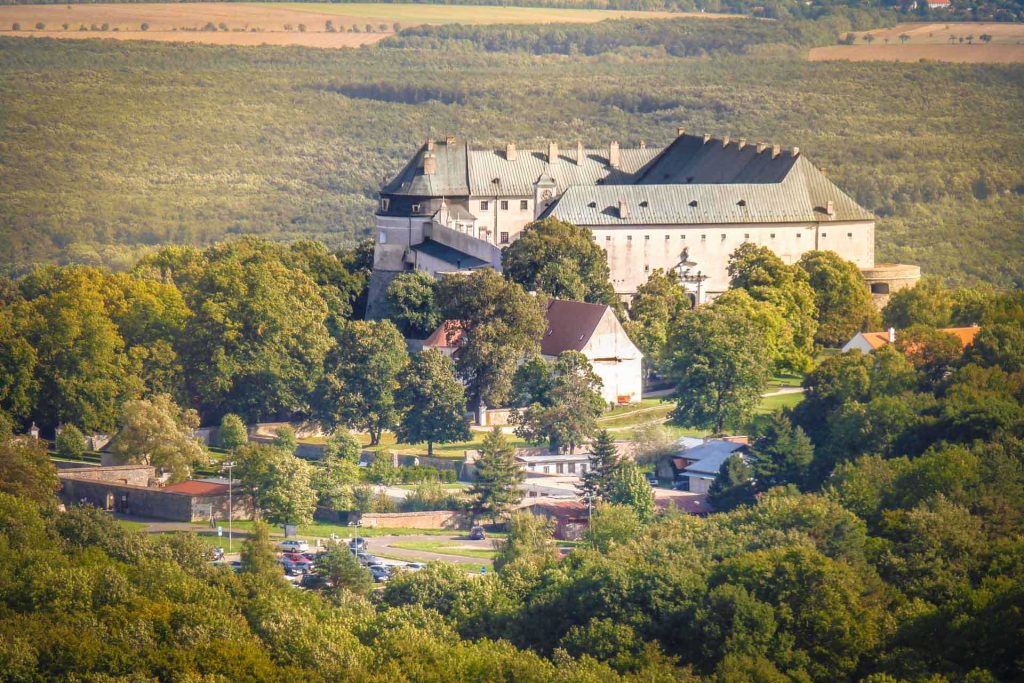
[498,477]
[631,488]
[733,486]
[597,481]
[782,454]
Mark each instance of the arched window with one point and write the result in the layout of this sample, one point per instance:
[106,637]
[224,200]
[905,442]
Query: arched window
[880,288]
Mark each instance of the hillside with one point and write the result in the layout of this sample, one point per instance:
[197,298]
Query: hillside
[111,148]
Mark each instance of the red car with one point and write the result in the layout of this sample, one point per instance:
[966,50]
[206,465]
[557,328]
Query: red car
[295,563]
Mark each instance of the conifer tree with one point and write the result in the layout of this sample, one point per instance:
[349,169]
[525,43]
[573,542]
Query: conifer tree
[733,486]
[597,481]
[498,477]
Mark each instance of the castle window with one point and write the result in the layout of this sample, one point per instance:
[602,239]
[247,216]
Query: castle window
[849,234]
[484,206]
[824,234]
[880,288]
[703,237]
[504,205]
[384,204]
[742,202]
[798,235]
[524,205]
[668,237]
[415,208]
[608,238]
[629,238]
[647,237]
[504,238]
[647,268]
[723,236]
[772,235]
[746,235]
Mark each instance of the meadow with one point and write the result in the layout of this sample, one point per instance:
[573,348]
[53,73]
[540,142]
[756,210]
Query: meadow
[943,42]
[320,25]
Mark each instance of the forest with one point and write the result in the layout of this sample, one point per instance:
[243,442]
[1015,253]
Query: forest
[291,143]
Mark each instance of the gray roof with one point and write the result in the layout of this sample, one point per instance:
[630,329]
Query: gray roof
[447,254]
[692,181]
[710,457]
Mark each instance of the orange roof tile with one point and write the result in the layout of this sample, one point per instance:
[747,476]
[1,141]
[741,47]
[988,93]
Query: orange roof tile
[198,488]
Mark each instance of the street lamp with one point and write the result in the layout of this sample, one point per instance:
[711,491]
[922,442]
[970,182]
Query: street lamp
[229,464]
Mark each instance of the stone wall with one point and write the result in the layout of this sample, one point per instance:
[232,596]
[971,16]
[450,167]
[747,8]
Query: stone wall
[133,475]
[129,500]
[439,519]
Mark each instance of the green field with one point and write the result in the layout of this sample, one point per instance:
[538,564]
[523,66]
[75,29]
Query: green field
[417,13]
[445,548]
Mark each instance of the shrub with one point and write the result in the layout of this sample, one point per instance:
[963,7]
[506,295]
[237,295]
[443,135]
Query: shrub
[329,26]
[302,28]
[287,27]
[105,27]
[396,27]
[144,26]
[15,26]
[40,26]
[70,443]
[222,26]
[65,26]
[210,26]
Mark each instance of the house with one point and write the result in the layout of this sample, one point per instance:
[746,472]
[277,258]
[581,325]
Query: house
[706,461]
[570,464]
[866,342]
[592,329]
[135,490]
[571,519]
[683,207]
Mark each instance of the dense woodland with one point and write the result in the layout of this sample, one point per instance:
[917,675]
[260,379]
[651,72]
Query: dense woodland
[292,143]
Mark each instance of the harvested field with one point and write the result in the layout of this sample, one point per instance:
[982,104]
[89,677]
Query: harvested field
[267,23]
[943,42]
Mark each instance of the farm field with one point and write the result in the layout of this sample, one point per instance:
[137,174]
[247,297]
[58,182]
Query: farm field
[268,23]
[942,42]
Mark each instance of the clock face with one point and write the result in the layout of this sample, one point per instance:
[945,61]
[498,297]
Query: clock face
[546,195]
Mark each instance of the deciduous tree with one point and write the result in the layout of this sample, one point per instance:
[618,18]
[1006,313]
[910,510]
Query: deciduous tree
[567,415]
[654,309]
[412,303]
[432,401]
[734,484]
[232,433]
[631,488]
[841,297]
[70,442]
[157,432]
[26,470]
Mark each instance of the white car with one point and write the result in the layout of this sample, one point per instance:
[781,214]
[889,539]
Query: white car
[294,546]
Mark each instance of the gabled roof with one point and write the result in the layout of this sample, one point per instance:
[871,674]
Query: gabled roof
[447,336]
[450,179]
[198,488]
[876,340]
[571,324]
[710,457]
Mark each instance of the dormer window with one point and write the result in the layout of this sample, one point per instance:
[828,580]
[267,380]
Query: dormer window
[693,203]
[415,208]
[592,205]
[644,204]
[384,204]
[742,202]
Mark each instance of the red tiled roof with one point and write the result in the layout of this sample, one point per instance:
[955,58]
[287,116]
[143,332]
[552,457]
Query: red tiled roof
[198,488]
[966,335]
[447,336]
[565,510]
[570,325]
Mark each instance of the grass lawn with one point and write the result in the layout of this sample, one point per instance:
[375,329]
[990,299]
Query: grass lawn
[643,416]
[132,526]
[324,530]
[772,403]
[446,548]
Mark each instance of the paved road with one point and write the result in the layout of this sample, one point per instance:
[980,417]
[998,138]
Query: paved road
[383,545]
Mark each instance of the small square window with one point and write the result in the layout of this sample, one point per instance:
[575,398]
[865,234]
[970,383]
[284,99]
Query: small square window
[629,238]
[682,237]
[667,237]
[504,205]
[824,234]
[723,235]
[703,237]
[647,268]
[524,205]
[484,206]
[746,236]
[647,237]
[415,208]
[798,235]
[849,234]
[608,238]
[384,204]
[772,235]
[504,238]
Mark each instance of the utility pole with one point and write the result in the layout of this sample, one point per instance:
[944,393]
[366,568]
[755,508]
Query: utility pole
[229,464]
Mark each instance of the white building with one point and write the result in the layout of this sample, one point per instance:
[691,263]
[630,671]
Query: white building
[686,206]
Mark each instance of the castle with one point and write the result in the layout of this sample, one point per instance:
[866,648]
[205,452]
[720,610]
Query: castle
[684,207]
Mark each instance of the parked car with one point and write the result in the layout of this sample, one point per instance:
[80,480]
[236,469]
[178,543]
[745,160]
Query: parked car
[652,478]
[477,534]
[311,580]
[357,543]
[218,554]
[380,573]
[414,566]
[296,564]
[367,559]
[236,566]
[294,545]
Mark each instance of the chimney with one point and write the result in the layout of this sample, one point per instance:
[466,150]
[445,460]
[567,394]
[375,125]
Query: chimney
[613,154]
[429,164]
[892,335]
[579,152]
[776,151]
[725,141]
[643,144]
[830,209]
[707,137]
[449,139]
[796,151]
[430,144]
[824,171]
[510,151]
[680,131]
[761,147]
[552,152]
[623,210]
[743,143]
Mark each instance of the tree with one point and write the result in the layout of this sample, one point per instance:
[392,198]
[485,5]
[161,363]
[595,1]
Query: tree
[597,482]
[767,278]
[717,357]
[781,454]
[567,416]
[342,573]
[18,384]
[344,446]
[412,303]
[926,303]
[653,311]
[280,485]
[498,477]
[613,525]
[232,433]
[258,337]
[333,480]
[904,38]
[26,470]
[499,325]
[40,26]
[143,26]
[70,443]
[933,353]
[432,400]
[841,297]
[157,432]
[329,26]
[631,488]
[561,260]
[285,439]
[733,486]
[258,555]
[360,378]
[529,542]
[1000,345]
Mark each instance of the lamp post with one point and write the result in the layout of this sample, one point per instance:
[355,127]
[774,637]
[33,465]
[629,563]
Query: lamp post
[229,464]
